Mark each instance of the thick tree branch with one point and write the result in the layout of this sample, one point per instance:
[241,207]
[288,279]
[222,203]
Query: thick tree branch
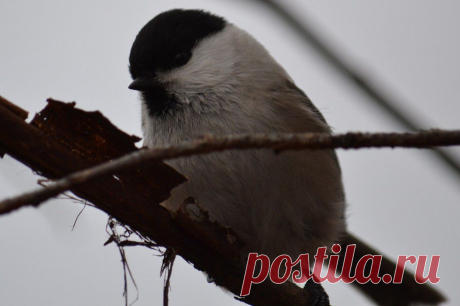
[62,140]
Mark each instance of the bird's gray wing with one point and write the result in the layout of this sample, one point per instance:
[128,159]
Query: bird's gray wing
[307,101]
[314,111]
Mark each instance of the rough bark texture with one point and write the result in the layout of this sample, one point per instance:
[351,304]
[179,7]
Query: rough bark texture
[62,139]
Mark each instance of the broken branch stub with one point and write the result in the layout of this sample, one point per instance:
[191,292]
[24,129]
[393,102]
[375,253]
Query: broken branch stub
[14,109]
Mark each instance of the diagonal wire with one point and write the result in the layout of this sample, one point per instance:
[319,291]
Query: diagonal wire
[304,30]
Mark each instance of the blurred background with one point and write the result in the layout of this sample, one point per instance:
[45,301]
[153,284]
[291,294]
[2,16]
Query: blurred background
[403,202]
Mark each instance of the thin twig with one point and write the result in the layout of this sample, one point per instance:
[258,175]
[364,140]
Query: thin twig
[363,82]
[210,144]
[119,239]
[169,258]
[115,237]
[78,216]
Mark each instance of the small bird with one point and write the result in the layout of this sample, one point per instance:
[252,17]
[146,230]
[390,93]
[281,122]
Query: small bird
[198,74]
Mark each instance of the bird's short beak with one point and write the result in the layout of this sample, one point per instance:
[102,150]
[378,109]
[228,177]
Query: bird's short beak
[143,84]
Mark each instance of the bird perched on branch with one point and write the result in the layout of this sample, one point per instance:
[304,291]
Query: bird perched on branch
[198,74]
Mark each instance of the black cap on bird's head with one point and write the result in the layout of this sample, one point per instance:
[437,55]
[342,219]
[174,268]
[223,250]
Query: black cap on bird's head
[166,42]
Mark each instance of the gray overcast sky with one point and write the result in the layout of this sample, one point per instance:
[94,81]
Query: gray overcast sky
[402,201]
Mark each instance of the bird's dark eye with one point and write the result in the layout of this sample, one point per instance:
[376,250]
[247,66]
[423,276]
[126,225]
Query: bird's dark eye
[182,58]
